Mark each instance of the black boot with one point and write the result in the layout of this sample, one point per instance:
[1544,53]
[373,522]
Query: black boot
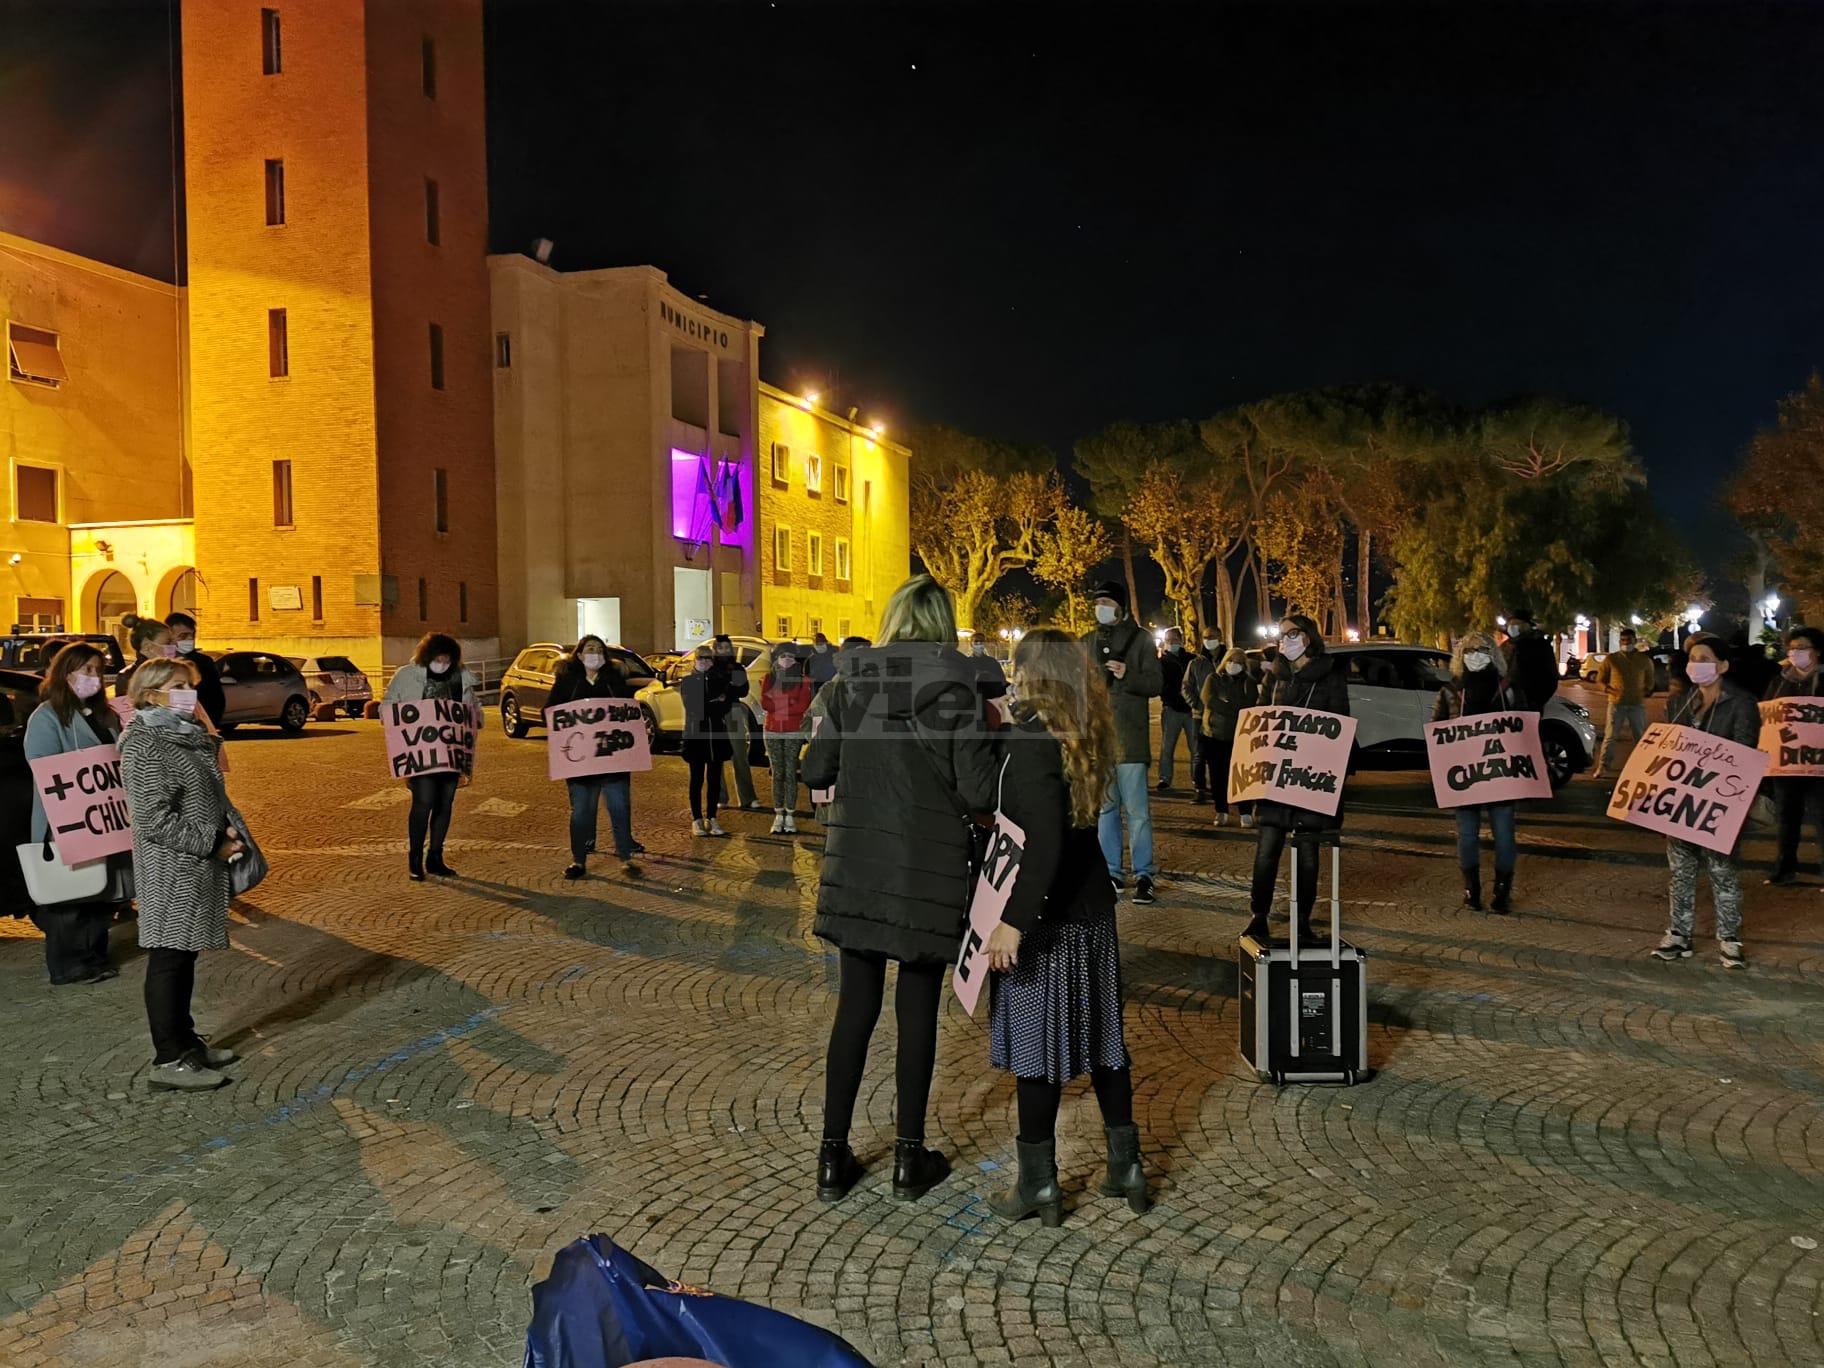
[1126,1175]
[1307,933]
[838,1170]
[417,866]
[1504,887]
[1037,1193]
[1257,928]
[1472,889]
[916,1170]
[436,866]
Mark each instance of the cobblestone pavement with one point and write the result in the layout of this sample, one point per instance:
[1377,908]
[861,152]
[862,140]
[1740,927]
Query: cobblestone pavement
[1572,1153]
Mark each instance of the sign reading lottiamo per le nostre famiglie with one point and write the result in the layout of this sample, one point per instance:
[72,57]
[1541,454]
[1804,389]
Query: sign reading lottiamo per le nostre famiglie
[1296,756]
[1689,785]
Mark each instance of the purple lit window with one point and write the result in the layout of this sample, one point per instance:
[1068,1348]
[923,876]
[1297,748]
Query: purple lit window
[706,493]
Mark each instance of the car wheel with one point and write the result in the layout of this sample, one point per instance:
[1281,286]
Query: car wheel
[511,722]
[296,714]
[1562,754]
[355,710]
[652,728]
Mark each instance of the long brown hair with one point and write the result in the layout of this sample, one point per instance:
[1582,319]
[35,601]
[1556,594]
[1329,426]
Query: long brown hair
[1057,681]
[56,691]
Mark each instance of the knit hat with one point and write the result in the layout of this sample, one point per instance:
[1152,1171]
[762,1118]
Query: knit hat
[1111,590]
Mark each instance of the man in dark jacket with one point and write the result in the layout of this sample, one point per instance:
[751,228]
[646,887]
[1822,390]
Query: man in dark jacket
[1532,664]
[209,695]
[1197,673]
[1176,717]
[821,668]
[990,679]
[731,679]
[1131,667]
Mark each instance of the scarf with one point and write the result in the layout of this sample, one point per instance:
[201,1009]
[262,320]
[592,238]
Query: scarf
[178,729]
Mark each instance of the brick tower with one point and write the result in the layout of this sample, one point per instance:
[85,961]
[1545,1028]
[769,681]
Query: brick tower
[340,352]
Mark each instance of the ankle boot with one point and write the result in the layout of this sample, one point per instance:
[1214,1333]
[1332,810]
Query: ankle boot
[916,1170]
[1037,1193]
[1504,888]
[1472,889]
[1126,1175]
[838,1170]
[417,867]
[1257,928]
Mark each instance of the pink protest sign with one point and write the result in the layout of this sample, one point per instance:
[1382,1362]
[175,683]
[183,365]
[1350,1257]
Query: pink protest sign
[1689,785]
[1296,756]
[1488,758]
[993,886]
[1792,734]
[596,736]
[85,803]
[431,736]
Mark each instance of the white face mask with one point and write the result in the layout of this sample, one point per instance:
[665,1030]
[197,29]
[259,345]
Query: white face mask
[1475,661]
[787,664]
[1211,643]
[440,667]
[181,701]
[593,662]
[1233,667]
[186,647]
[1292,648]
[1801,659]
[1106,613]
[85,685]
[1702,672]
[822,647]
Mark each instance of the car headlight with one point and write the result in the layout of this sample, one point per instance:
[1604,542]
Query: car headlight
[1577,708]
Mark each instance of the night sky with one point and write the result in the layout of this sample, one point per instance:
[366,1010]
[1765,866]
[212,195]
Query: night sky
[1030,220]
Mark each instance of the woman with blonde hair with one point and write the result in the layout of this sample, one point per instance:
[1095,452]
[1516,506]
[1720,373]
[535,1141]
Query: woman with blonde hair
[1479,684]
[1056,1011]
[902,739]
[1228,690]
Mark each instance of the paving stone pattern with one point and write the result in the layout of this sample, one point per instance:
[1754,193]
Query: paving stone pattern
[1572,1153]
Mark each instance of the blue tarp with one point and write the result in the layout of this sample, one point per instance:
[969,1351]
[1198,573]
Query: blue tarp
[603,1308]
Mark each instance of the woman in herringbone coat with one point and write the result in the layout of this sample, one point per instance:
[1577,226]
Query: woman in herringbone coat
[182,847]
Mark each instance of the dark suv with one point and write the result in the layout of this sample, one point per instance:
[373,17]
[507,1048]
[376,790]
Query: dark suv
[35,650]
[527,683]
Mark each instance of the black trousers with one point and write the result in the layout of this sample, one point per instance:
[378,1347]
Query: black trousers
[915,1003]
[1039,1099]
[170,982]
[704,775]
[433,800]
[75,939]
[1266,871]
[1796,803]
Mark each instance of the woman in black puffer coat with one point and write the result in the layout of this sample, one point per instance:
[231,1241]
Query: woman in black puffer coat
[1303,676]
[904,743]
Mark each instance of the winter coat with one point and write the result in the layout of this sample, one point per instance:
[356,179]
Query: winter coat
[1323,685]
[1453,700]
[93,724]
[180,812]
[1224,696]
[707,697]
[785,699]
[1196,675]
[572,682]
[904,745]
[1532,668]
[411,683]
[1062,874]
[1124,641]
[1628,677]
[1735,716]
[1792,684]
[990,678]
[1172,670]
[821,667]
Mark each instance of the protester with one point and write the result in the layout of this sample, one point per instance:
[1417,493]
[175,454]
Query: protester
[706,693]
[1196,674]
[1798,799]
[1532,664]
[209,695]
[1479,684]
[587,672]
[732,681]
[148,639]
[1749,664]
[183,844]
[1056,1012]
[1716,705]
[1131,665]
[821,668]
[990,679]
[435,672]
[73,715]
[1627,676]
[903,744]
[1303,675]
[1176,718]
[785,697]
[1228,689]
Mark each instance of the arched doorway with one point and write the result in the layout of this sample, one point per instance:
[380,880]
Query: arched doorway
[183,595]
[114,599]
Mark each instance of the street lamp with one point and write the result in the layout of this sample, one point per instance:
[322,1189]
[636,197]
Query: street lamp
[1770,607]
[1693,615]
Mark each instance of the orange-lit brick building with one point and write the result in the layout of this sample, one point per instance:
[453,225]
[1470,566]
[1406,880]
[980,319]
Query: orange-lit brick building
[340,371]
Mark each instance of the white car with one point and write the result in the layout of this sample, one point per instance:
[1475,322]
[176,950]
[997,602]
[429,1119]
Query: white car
[1393,689]
[665,706]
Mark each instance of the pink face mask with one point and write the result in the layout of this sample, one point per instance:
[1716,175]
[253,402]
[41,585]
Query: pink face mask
[85,685]
[1702,672]
[168,651]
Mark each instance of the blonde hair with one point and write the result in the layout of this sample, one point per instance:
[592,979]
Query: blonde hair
[1477,641]
[1058,682]
[155,676]
[921,609]
[1235,654]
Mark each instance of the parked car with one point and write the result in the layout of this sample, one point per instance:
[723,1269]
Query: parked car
[527,683]
[334,682]
[259,687]
[664,706]
[1662,668]
[1393,688]
[36,650]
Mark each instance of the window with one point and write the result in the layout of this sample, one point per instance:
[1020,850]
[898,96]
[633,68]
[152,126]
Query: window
[424,600]
[428,54]
[253,600]
[316,603]
[813,553]
[816,625]
[784,626]
[278,345]
[839,483]
[462,600]
[842,558]
[813,474]
[275,194]
[436,356]
[34,493]
[690,386]
[440,494]
[503,351]
[34,356]
[782,548]
[281,495]
[269,42]
[842,629]
[782,463]
[433,217]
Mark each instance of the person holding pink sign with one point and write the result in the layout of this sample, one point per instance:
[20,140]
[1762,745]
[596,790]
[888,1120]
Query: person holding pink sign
[73,715]
[1479,684]
[587,673]
[435,672]
[1715,705]
[1056,1005]
[1797,799]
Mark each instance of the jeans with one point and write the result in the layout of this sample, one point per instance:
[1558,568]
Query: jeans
[1635,715]
[433,799]
[1174,723]
[1796,801]
[1128,795]
[170,981]
[586,795]
[740,725]
[782,756]
[915,1004]
[1685,860]
[1500,826]
[703,779]
[75,939]
[1267,850]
